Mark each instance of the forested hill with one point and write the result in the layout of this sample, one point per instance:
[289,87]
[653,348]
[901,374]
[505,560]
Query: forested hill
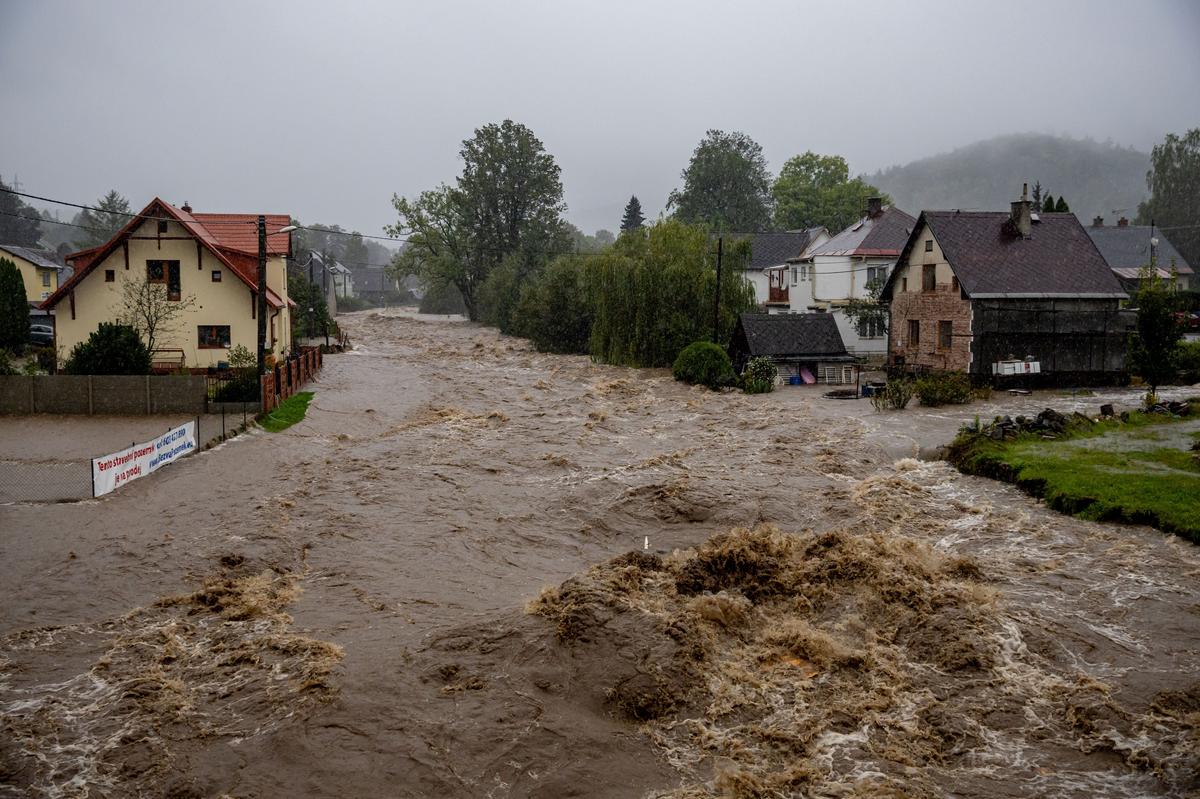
[1095,178]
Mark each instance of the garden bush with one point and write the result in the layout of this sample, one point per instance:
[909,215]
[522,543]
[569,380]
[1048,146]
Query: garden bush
[894,396]
[759,376]
[703,363]
[943,388]
[112,349]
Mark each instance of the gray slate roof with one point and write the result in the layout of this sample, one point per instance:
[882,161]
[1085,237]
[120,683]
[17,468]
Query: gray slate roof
[42,258]
[1128,247]
[792,335]
[774,249]
[881,236]
[991,260]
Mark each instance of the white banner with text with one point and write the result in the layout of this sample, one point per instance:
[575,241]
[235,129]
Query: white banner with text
[110,472]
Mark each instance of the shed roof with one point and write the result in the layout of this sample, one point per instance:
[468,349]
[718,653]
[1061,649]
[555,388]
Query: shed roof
[990,259]
[883,235]
[799,335]
[1128,247]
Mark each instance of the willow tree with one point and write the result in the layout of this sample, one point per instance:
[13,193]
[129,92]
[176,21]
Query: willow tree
[652,293]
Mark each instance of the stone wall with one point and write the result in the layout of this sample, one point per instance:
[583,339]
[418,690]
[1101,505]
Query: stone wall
[930,307]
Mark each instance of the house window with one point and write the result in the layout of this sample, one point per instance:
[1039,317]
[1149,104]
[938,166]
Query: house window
[213,337]
[928,245]
[795,275]
[45,278]
[870,328]
[162,226]
[904,284]
[216,276]
[914,333]
[165,272]
[929,278]
[109,275]
[954,282]
[945,334]
[876,273]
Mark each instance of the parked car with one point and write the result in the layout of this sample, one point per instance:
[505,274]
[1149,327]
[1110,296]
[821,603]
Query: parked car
[41,335]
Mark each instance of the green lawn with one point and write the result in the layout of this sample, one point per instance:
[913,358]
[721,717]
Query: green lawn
[287,413]
[1139,471]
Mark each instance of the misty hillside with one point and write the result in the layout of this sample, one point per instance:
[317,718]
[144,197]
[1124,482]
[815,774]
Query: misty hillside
[1096,178]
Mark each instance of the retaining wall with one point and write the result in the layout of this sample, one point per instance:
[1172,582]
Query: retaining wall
[122,395]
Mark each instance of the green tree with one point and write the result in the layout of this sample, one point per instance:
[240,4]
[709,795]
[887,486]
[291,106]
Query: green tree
[652,293]
[508,201]
[18,222]
[868,310]
[1153,351]
[1060,205]
[112,349]
[354,252]
[112,214]
[310,317]
[555,310]
[1047,204]
[817,191]
[726,185]
[1037,195]
[632,218]
[14,308]
[1174,183]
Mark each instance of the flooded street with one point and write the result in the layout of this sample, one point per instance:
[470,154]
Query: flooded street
[357,606]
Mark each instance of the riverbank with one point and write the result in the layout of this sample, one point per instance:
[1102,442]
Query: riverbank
[1139,468]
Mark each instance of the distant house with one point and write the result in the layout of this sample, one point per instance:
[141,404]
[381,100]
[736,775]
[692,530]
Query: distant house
[978,291]
[40,270]
[804,345]
[320,271]
[831,274]
[343,280]
[212,258]
[1127,248]
[375,284]
[769,253]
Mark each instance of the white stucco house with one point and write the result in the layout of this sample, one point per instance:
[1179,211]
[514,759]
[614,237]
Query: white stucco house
[831,273]
[770,252]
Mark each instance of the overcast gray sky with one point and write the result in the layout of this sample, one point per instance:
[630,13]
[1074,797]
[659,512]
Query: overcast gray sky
[323,109]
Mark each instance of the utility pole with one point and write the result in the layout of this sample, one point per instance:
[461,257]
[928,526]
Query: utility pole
[262,294]
[717,297]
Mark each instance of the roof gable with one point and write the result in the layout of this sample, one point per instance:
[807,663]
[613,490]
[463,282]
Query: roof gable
[990,260]
[803,335]
[883,236]
[243,264]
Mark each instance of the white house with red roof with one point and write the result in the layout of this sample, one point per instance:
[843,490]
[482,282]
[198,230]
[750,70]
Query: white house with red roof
[844,268]
[206,262]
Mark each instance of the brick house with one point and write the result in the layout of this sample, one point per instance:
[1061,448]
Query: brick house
[974,289]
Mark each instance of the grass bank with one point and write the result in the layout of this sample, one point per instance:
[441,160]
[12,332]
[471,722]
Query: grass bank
[287,413]
[1140,469]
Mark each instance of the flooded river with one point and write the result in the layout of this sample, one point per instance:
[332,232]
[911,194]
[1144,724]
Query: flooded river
[426,589]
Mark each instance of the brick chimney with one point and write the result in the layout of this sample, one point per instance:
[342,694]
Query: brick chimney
[1021,217]
[1098,222]
[187,209]
[874,207]
[1122,222]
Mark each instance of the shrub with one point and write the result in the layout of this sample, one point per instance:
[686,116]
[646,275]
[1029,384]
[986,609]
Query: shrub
[554,310]
[1187,358]
[443,298]
[240,357]
[895,395]
[6,367]
[112,349]
[14,308]
[943,388]
[703,363]
[759,376]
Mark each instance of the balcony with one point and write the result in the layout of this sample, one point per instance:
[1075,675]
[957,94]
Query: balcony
[777,295]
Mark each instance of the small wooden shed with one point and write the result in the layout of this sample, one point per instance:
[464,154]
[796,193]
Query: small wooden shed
[804,345]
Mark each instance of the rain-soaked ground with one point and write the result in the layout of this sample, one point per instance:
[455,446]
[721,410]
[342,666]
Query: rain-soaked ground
[414,593]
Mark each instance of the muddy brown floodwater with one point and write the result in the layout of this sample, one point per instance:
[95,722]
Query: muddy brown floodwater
[476,570]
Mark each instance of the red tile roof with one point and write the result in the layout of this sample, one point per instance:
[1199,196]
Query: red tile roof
[240,231]
[224,237]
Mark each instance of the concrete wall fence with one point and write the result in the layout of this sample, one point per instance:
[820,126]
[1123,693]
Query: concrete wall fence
[122,395]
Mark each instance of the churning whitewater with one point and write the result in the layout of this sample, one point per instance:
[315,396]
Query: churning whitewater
[477,570]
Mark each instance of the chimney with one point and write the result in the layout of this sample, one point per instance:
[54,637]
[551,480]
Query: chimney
[1122,222]
[187,209]
[874,207]
[1021,217]
[1098,222]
